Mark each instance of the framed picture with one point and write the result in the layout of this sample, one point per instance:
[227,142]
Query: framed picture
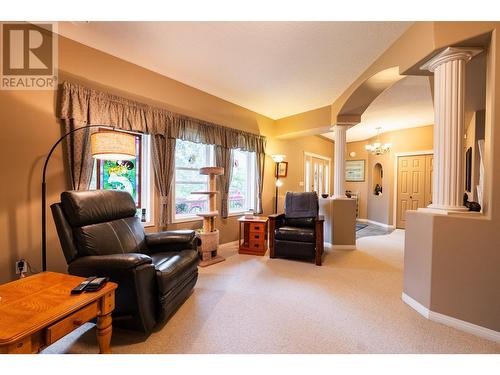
[282,169]
[355,170]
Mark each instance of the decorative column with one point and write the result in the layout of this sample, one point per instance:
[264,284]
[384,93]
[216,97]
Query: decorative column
[448,67]
[339,161]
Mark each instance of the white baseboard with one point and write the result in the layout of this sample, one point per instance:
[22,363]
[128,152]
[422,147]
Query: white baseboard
[376,223]
[461,325]
[417,306]
[229,244]
[340,247]
[344,247]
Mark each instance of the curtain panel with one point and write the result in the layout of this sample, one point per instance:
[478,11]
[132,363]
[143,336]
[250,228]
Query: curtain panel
[224,158]
[80,105]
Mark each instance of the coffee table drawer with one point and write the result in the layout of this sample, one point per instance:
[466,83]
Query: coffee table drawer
[70,323]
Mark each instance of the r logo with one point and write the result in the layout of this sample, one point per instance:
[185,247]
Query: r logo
[27,49]
[29,56]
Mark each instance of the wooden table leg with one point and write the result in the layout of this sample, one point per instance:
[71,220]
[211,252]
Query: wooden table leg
[104,322]
[104,331]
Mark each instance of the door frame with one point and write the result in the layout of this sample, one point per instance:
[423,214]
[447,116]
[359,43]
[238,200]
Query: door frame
[330,171]
[396,159]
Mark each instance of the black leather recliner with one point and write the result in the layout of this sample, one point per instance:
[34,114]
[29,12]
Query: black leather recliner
[101,236]
[298,233]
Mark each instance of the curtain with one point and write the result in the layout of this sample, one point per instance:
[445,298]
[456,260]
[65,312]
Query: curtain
[77,148]
[80,105]
[163,157]
[260,160]
[224,157]
[88,106]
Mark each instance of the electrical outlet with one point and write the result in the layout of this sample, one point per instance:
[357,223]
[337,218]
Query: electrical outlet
[21,266]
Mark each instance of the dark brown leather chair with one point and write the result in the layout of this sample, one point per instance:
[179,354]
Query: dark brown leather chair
[298,233]
[101,236]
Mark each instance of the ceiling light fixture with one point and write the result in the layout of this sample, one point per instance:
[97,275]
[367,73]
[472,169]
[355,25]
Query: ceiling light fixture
[377,148]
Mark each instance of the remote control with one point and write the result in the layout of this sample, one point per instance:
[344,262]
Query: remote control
[81,287]
[96,284]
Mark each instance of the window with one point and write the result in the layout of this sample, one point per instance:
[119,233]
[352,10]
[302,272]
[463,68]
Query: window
[242,189]
[189,158]
[133,176]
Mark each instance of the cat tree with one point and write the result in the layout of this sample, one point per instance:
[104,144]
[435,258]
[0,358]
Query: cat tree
[209,235]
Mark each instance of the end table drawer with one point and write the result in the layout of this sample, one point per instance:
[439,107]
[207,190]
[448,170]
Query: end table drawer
[257,227]
[257,236]
[70,323]
[257,245]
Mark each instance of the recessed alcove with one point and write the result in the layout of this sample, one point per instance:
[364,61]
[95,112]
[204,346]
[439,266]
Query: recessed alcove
[378,175]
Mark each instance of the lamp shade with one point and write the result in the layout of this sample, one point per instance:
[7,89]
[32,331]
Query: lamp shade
[278,158]
[112,145]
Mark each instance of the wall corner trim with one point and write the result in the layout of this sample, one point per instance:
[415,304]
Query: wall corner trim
[449,321]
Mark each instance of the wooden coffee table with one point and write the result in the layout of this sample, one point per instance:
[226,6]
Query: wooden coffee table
[39,310]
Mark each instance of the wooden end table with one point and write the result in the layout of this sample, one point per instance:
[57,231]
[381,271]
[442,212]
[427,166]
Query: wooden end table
[254,240]
[38,310]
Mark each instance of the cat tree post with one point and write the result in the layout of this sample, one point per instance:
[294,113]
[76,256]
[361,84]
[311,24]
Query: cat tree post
[209,235]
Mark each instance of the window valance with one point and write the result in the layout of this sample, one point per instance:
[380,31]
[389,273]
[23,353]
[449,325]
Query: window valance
[84,105]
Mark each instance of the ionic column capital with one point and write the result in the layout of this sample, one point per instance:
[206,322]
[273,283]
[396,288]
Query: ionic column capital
[451,54]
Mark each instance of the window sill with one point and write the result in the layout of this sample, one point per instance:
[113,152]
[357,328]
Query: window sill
[186,219]
[148,224]
[239,213]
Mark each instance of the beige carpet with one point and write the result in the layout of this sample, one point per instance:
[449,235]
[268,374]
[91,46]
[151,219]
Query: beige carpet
[251,304]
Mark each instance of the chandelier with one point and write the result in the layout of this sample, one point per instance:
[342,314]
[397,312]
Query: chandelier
[377,148]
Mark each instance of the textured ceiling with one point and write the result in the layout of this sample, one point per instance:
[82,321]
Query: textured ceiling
[274,68]
[407,104]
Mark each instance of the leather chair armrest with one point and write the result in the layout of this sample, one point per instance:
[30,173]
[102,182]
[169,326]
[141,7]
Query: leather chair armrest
[275,221]
[136,278]
[278,220]
[101,264]
[171,240]
[319,223]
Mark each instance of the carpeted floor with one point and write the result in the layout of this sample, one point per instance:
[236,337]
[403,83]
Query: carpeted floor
[248,304]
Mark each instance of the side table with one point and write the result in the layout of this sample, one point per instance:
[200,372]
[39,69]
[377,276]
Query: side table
[252,238]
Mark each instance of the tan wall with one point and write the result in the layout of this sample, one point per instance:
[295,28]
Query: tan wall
[380,207]
[316,121]
[360,187]
[294,150]
[340,221]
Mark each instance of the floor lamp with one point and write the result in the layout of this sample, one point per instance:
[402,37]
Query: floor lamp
[277,159]
[104,145]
